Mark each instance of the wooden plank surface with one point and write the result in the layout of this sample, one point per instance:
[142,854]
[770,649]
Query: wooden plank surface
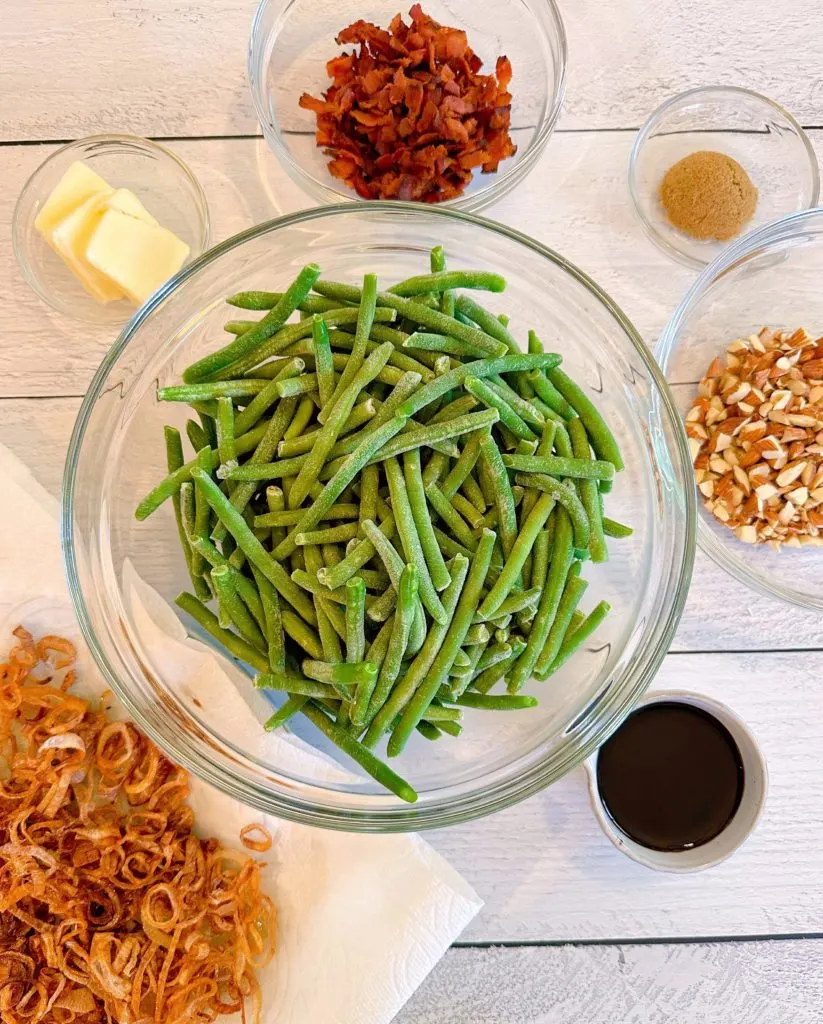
[177,68]
[720,983]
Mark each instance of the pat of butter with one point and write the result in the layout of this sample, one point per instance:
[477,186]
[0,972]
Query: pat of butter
[135,255]
[126,201]
[78,184]
[70,239]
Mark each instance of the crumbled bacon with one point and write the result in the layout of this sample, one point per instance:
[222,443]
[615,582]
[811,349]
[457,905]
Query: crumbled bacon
[409,116]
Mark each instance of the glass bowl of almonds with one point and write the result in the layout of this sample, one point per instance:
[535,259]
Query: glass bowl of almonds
[744,356]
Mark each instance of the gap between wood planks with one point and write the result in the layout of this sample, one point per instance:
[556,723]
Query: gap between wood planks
[258,135]
[690,940]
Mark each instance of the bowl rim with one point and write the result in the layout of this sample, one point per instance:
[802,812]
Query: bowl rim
[572,750]
[101,139]
[657,116]
[742,249]
[501,184]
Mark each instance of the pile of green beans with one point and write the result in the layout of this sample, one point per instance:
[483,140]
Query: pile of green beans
[389,506]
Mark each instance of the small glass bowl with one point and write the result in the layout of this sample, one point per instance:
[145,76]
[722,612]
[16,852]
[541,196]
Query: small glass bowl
[159,179]
[291,41]
[769,278]
[117,455]
[764,139]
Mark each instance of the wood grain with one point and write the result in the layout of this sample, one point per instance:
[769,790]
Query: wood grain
[176,68]
[728,983]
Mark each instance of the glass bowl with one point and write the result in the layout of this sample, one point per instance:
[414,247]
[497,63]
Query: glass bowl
[760,135]
[159,178]
[291,41]
[117,455]
[770,277]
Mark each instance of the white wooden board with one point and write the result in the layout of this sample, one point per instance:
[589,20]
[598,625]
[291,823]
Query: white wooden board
[722,983]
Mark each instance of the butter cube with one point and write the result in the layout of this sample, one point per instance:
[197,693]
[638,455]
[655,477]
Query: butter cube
[126,201]
[78,184]
[70,239]
[138,257]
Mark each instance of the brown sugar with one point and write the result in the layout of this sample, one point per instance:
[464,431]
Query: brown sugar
[708,195]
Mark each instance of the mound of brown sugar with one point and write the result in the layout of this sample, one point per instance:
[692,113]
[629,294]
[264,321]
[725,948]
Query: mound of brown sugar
[708,195]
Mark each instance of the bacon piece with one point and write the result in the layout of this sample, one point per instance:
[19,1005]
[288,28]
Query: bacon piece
[408,114]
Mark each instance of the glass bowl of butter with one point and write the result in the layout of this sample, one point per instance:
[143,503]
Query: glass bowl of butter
[104,221]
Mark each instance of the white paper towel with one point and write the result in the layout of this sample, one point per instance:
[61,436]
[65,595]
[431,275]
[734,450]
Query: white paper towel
[361,919]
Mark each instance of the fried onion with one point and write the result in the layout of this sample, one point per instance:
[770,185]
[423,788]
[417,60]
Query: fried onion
[111,909]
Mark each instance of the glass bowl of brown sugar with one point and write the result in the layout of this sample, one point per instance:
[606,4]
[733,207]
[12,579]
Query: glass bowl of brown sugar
[714,163]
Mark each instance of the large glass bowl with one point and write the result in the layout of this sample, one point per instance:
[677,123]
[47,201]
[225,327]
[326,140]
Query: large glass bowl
[291,41]
[117,454]
[770,278]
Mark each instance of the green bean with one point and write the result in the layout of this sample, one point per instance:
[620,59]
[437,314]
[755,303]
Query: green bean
[508,417]
[464,465]
[365,319]
[355,620]
[492,674]
[521,600]
[553,465]
[450,547]
[197,436]
[261,455]
[301,417]
[251,546]
[502,493]
[407,686]
[524,409]
[566,496]
[342,478]
[394,566]
[473,515]
[540,558]
[258,300]
[297,386]
[450,516]
[485,320]
[203,392]
[614,529]
[284,340]
[549,601]
[446,280]
[244,586]
[287,711]
[496,702]
[360,554]
[272,620]
[416,495]
[459,625]
[238,326]
[575,638]
[549,394]
[344,674]
[323,360]
[332,535]
[418,313]
[382,608]
[202,516]
[478,634]
[428,342]
[413,361]
[343,405]
[360,414]
[589,493]
[174,462]
[492,655]
[234,644]
[480,368]
[362,755]
[293,684]
[265,328]
[328,635]
[601,438]
[302,634]
[225,432]
[516,558]
[432,434]
[263,401]
[409,538]
[407,604]
[291,516]
[572,593]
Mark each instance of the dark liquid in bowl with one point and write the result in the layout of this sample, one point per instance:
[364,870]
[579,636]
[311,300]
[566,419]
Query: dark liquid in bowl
[671,777]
